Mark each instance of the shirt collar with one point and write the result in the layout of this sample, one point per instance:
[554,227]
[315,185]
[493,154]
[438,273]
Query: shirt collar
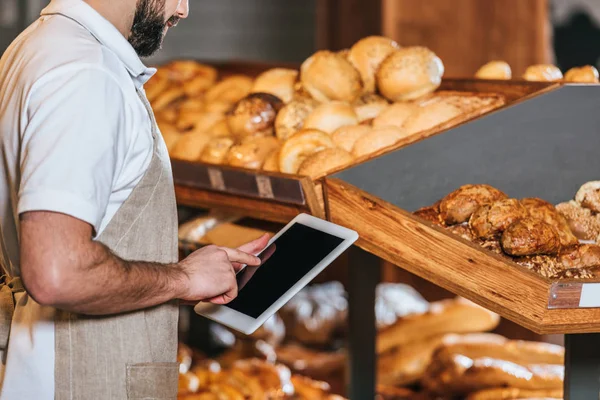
[105,32]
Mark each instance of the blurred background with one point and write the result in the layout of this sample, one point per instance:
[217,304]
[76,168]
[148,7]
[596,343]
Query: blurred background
[464,33]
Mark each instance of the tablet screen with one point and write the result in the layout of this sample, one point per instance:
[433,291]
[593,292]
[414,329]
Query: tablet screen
[286,261]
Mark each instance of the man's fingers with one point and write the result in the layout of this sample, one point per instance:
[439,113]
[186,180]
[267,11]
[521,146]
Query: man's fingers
[224,298]
[256,245]
[238,256]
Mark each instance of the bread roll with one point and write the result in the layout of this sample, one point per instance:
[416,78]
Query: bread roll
[491,219]
[448,316]
[271,163]
[430,116]
[346,136]
[318,164]
[167,97]
[583,223]
[530,236]
[588,196]
[156,85]
[545,211]
[377,139]
[279,82]
[516,394]
[188,383]
[216,150]
[252,152]
[204,77]
[218,107]
[308,388]
[198,121]
[310,362]
[230,90]
[300,146]
[190,146]
[181,71]
[220,129]
[396,115]
[369,106]
[254,115]
[458,206]
[291,117]
[409,73]
[330,116]
[586,74]
[542,72]
[170,135]
[367,55]
[499,70]
[168,114]
[329,76]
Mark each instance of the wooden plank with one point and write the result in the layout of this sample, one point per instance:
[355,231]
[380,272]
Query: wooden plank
[511,90]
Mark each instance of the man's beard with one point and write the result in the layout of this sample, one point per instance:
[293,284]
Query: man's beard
[149,27]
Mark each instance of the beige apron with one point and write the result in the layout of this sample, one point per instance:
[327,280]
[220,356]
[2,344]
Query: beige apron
[133,355]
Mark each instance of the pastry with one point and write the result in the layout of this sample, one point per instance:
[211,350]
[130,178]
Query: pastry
[448,316]
[530,236]
[216,150]
[583,223]
[200,122]
[409,73]
[377,139]
[156,85]
[512,393]
[588,196]
[219,129]
[369,106]
[190,146]
[307,388]
[458,206]
[279,82]
[581,256]
[499,70]
[492,219]
[585,74]
[167,97]
[346,136]
[254,115]
[204,77]
[431,115]
[329,76]
[431,214]
[188,383]
[218,107]
[184,358]
[542,72]
[272,161]
[330,116]
[394,301]
[181,71]
[311,362]
[394,393]
[252,152]
[396,115]
[545,211]
[300,146]
[324,161]
[367,55]
[275,380]
[230,90]
[291,117]
[170,134]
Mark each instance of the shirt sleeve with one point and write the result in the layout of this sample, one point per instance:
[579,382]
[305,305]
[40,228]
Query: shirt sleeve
[69,152]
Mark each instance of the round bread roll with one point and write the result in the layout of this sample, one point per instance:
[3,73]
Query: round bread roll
[588,196]
[204,77]
[170,135]
[301,145]
[192,104]
[291,117]
[367,55]
[585,74]
[409,73]
[396,115]
[168,97]
[156,85]
[272,162]
[230,90]
[182,70]
[330,116]
[252,152]
[200,123]
[220,129]
[324,161]
[377,139]
[216,150]
[189,147]
[494,70]
[542,73]
[369,106]
[329,76]
[346,136]
[279,82]
[431,115]
[254,115]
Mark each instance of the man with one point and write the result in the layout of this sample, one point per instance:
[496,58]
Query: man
[88,222]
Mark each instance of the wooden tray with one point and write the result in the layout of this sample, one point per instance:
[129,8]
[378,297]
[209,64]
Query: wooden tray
[545,147]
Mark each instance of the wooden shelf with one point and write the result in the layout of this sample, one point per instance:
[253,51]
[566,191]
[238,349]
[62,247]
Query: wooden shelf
[544,147]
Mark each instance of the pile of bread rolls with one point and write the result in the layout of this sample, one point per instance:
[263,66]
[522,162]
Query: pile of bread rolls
[583,213]
[500,70]
[338,107]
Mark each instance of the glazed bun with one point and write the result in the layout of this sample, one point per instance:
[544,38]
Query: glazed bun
[300,146]
[216,150]
[252,152]
[254,115]
[369,106]
[346,136]
[585,74]
[230,90]
[430,116]
[494,70]
[396,115]
[377,139]
[324,161]
[542,73]
[367,55]
[328,76]
[330,116]
[279,82]
[409,73]
[291,117]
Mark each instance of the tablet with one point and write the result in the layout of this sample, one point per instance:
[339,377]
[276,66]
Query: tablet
[293,257]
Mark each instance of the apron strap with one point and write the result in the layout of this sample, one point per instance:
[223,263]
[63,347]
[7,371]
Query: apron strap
[8,288]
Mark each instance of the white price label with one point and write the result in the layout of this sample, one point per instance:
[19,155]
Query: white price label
[590,295]
[216,179]
[264,187]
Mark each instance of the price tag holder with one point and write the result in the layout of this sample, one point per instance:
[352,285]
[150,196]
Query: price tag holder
[265,189]
[216,179]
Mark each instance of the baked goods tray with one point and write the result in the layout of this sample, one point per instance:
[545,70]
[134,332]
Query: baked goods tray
[546,147]
[279,197]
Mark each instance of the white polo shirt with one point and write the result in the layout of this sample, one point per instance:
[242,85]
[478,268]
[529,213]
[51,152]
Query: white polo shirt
[74,138]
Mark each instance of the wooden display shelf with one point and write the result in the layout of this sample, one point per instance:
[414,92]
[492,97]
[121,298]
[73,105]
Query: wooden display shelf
[545,147]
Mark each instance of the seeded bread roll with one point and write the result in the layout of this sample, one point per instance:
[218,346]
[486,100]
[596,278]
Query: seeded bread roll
[377,139]
[499,70]
[588,196]
[369,106]
[542,73]
[279,82]
[409,73]
[292,116]
[330,116]
[346,136]
[367,55]
[329,76]
[585,74]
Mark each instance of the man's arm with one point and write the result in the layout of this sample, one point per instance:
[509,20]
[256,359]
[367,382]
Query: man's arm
[62,267]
